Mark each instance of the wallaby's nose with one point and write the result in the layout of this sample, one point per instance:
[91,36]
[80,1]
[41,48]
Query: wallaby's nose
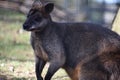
[25,26]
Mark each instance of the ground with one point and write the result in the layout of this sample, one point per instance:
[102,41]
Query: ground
[16,54]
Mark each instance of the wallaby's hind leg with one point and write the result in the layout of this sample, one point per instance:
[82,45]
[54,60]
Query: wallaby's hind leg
[39,67]
[88,71]
[74,73]
[94,70]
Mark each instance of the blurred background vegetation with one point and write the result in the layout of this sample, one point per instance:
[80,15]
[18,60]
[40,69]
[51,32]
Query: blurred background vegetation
[16,55]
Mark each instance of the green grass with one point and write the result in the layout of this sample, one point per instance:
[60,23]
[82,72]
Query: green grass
[16,54]
[13,44]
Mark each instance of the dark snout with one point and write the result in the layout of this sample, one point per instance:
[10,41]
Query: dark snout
[28,27]
[25,26]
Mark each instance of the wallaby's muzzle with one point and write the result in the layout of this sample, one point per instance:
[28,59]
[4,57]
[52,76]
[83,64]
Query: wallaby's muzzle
[28,27]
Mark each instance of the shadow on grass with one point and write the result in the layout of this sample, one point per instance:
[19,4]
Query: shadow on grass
[4,77]
[22,78]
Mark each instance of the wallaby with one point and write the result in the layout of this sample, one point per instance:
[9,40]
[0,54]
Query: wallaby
[86,51]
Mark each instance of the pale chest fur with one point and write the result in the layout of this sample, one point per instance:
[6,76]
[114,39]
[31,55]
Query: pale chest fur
[38,49]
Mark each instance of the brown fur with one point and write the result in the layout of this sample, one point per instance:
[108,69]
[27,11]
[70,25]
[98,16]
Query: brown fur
[74,73]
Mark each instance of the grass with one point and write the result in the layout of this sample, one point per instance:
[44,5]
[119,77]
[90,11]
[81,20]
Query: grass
[12,43]
[16,54]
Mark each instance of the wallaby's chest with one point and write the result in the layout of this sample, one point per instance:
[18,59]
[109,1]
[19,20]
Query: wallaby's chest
[38,49]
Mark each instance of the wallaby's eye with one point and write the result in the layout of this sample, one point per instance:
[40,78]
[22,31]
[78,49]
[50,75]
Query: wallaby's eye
[31,12]
[38,19]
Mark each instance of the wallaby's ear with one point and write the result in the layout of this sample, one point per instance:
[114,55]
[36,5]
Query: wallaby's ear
[37,4]
[48,8]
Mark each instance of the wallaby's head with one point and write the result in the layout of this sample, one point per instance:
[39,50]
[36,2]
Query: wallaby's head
[39,16]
